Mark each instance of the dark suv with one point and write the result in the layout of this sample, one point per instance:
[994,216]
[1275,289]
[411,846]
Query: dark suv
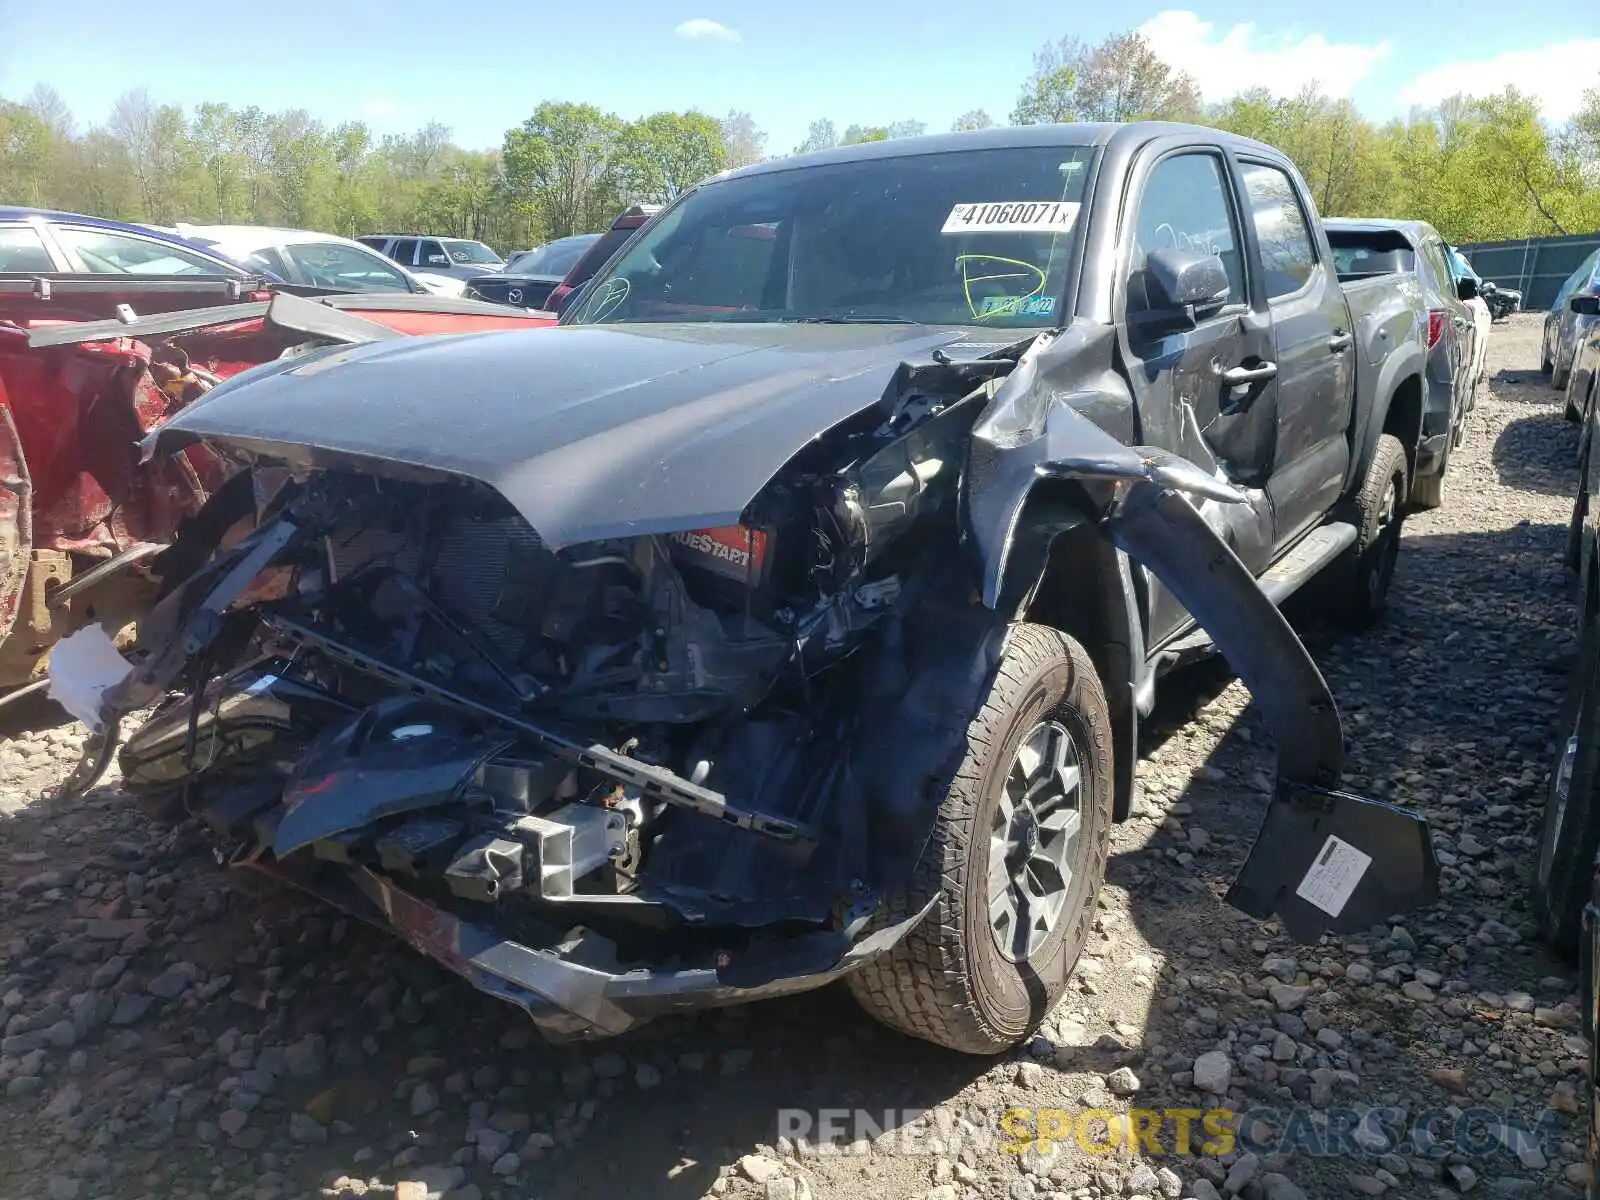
[461,258]
[630,221]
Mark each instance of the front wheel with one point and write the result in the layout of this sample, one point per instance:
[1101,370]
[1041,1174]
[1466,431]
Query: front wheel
[1015,859]
[1563,875]
[1377,511]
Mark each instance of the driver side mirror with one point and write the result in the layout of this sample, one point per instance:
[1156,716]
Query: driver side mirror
[1466,289]
[1184,286]
[1585,306]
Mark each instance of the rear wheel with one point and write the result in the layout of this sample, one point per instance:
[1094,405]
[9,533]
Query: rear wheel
[1377,511]
[1564,872]
[1015,860]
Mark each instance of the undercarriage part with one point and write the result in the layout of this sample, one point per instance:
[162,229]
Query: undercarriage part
[487,868]
[36,627]
[569,980]
[654,782]
[569,843]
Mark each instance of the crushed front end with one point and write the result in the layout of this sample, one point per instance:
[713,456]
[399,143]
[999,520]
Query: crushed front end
[391,692]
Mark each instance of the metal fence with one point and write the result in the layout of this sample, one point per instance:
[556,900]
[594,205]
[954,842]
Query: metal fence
[1535,266]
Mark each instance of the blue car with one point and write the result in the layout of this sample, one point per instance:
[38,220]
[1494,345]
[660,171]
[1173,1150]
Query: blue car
[36,241]
[66,266]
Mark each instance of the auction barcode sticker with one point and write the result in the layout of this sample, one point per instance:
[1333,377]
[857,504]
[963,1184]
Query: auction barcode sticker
[1012,216]
[1334,876]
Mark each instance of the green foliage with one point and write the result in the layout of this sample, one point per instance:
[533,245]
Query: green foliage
[1478,168]
[1121,79]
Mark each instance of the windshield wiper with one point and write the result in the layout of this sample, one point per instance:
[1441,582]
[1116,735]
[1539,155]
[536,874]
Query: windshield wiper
[853,320]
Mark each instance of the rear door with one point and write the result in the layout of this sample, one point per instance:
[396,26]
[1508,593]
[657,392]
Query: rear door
[1314,350]
[1183,198]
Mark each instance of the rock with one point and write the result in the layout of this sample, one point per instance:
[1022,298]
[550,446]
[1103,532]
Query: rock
[1029,1075]
[1213,1072]
[64,1103]
[646,1077]
[1283,1048]
[1366,1185]
[131,1007]
[609,1065]
[423,1100]
[174,981]
[758,1168]
[1287,996]
[1451,1079]
[945,1191]
[1244,1169]
[61,1187]
[506,1164]
[307,1058]
[231,1121]
[492,1143]
[1167,1180]
[1463,1176]
[1204,1189]
[1358,973]
[63,1035]
[1283,969]
[1141,1180]
[736,1061]
[1279,1187]
[780,1188]
[1415,989]
[303,1128]
[1122,1082]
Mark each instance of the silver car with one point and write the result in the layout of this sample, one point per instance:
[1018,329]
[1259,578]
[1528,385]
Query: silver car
[1565,327]
[460,258]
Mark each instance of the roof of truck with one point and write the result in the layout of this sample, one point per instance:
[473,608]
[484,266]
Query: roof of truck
[1412,231]
[1007,137]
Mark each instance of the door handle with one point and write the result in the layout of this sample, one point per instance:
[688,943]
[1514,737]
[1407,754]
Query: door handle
[1341,341]
[1239,376]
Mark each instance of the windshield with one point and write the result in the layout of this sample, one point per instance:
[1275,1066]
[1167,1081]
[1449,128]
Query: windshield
[972,237]
[558,257]
[471,252]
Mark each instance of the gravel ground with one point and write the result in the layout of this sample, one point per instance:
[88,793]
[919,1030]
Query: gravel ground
[172,1032]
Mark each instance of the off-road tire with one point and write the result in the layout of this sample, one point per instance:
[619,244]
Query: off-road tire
[1367,569]
[1546,364]
[1559,378]
[1563,871]
[947,982]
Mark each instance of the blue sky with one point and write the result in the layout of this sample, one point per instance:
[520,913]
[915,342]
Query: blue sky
[480,66]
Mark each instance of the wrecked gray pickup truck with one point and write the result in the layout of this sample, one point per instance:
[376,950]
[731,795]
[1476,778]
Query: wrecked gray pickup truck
[787,613]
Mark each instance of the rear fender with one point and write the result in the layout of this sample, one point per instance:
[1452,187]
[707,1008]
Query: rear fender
[1397,368]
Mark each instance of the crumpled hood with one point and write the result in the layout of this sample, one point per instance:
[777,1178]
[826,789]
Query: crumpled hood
[589,431]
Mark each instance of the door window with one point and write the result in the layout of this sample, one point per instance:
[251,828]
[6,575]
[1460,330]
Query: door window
[1288,255]
[330,265]
[404,250]
[432,255]
[104,252]
[1185,206]
[22,249]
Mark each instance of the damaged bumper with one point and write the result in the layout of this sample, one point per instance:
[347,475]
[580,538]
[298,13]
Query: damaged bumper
[569,982]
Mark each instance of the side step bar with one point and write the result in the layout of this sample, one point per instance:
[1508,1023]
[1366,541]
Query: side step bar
[1282,580]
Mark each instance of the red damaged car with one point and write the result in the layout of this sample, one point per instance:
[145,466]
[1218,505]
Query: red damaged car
[80,516]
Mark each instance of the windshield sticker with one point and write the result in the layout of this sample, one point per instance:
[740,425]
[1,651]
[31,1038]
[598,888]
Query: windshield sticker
[1020,306]
[1012,216]
[981,274]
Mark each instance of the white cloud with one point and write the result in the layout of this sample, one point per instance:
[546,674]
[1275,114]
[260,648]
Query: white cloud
[1228,63]
[705,27]
[1556,75]
[378,108]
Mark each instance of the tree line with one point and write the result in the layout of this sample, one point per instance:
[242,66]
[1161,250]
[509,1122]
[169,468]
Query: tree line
[1477,167]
